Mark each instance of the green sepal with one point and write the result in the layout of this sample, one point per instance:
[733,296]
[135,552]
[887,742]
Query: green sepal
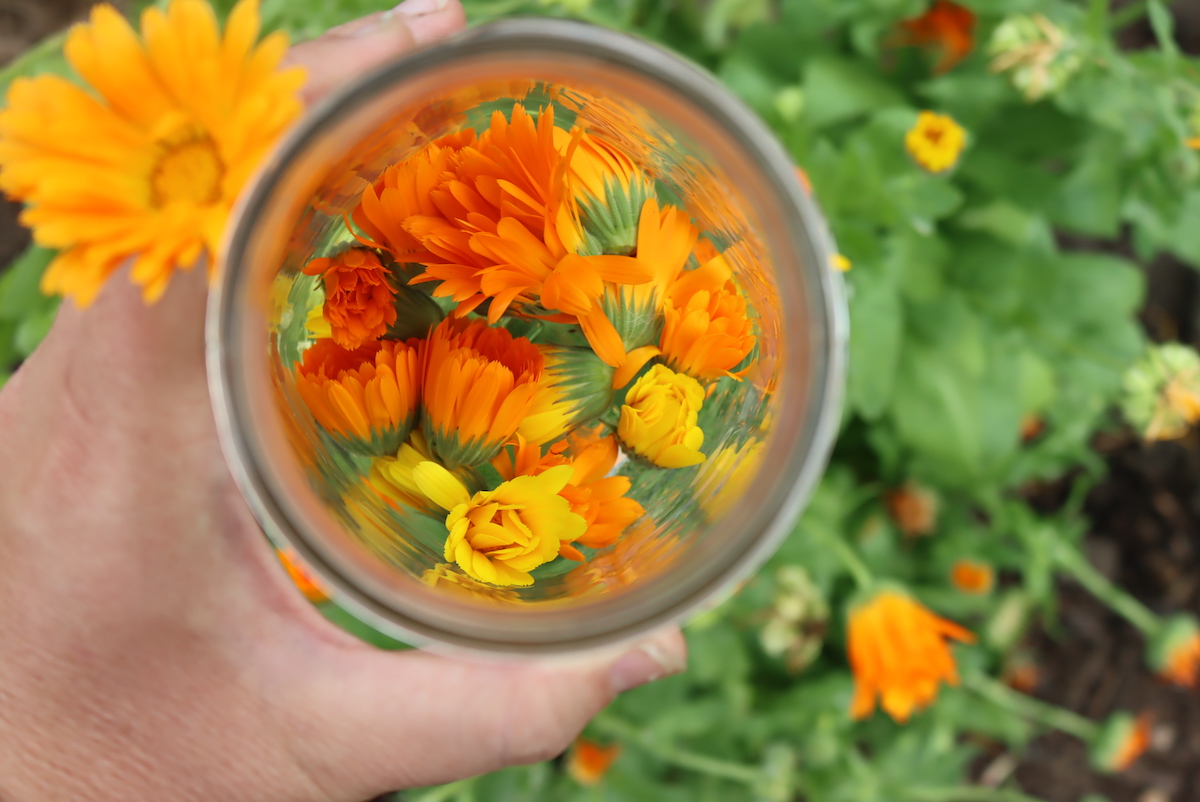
[611,224]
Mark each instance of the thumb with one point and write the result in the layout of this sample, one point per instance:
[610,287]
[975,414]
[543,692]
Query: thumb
[356,47]
[391,721]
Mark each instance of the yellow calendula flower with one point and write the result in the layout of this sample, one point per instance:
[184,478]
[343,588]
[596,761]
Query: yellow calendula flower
[499,536]
[658,419]
[147,164]
[936,142]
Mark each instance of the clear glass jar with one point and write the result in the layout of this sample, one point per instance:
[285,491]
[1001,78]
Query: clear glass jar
[767,439]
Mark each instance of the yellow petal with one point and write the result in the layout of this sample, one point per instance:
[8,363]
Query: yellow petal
[442,487]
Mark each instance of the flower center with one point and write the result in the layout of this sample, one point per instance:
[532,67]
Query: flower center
[187,171]
[934,134]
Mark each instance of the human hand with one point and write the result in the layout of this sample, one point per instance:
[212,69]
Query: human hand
[151,646]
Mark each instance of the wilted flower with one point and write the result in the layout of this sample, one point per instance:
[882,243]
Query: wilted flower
[1174,652]
[588,761]
[1121,740]
[499,536]
[936,141]
[1041,57]
[913,508]
[971,576]
[798,619]
[367,397]
[147,164]
[946,26]
[659,417]
[898,652]
[1162,392]
[301,577]
[359,298]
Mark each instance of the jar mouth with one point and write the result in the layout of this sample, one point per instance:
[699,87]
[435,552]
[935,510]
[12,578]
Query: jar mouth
[810,370]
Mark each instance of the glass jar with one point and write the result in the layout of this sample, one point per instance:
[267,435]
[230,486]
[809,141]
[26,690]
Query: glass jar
[768,432]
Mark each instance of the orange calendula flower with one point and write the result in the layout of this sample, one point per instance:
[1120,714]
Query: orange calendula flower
[1122,739]
[1175,651]
[499,536]
[899,653]
[359,298]
[914,509]
[973,577]
[659,418]
[936,141]
[367,397]
[706,332]
[588,761]
[148,163]
[593,495]
[946,26]
[301,577]
[481,384]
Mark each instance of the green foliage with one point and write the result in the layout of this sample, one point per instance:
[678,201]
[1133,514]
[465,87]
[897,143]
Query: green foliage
[970,318]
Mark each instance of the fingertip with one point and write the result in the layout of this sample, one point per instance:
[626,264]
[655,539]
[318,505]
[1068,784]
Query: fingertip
[652,659]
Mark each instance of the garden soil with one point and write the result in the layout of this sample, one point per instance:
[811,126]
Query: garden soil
[1145,535]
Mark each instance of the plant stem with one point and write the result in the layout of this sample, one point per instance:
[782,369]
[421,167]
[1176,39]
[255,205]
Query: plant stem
[966,793]
[1071,560]
[714,767]
[1128,15]
[850,558]
[1042,712]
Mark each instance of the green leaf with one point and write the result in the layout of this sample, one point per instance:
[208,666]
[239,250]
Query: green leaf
[20,290]
[1089,199]
[876,334]
[839,89]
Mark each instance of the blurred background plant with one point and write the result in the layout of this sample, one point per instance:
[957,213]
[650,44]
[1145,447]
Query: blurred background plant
[1003,175]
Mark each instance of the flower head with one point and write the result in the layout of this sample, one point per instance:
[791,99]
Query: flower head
[706,332]
[367,397]
[1040,56]
[899,653]
[659,418]
[1122,739]
[1175,651]
[914,508]
[936,141]
[359,298]
[946,26]
[149,162]
[972,577]
[499,536]
[588,761]
[798,619]
[1162,392]
[480,385]
[301,576]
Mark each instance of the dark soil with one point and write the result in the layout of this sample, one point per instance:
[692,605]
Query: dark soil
[1145,534]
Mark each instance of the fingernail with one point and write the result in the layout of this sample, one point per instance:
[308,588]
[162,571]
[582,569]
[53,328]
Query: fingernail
[367,26]
[427,19]
[646,663]
[417,8]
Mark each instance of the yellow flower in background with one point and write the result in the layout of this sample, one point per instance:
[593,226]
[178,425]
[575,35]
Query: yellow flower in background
[936,142]
[658,419]
[898,652]
[499,536]
[840,263]
[148,163]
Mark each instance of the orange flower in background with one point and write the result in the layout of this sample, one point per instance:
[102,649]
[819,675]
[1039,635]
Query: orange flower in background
[359,299]
[913,508]
[947,27]
[146,165]
[1135,743]
[973,577]
[1121,740]
[480,385]
[936,141]
[1175,651]
[593,495]
[368,397]
[899,654]
[301,577]
[588,761]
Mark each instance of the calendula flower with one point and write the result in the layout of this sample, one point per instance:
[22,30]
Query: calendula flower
[499,536]
[301,577]
[359,298]
[659,417]
[1162,392]
[367,397]
[936,141]
[706,331]
[1122,739]
[946,26]
[480,385]
[972,577]
[1040,56]
[1022,674]
[580,389]
[798,619]
[610,192]
[147,161]
[899,654]
[731,469]
[840,263]
[913,508]
[588,761]
[446,577]
[392,476]
[593,495]
[1174,653]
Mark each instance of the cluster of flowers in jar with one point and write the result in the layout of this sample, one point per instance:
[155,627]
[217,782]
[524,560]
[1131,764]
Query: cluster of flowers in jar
[629,315]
